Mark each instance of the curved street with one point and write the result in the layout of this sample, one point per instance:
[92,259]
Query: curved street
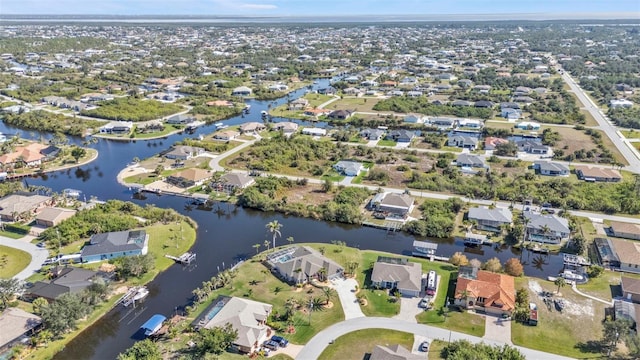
[318,343]
[38,255]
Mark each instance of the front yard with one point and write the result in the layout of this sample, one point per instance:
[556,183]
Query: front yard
[359,344]
[12,261]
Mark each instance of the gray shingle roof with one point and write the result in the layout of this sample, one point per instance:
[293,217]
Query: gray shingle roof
[502,215]
[408,276]
[118,241]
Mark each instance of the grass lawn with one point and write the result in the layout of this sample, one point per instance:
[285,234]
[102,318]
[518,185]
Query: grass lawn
[332,175]
[362,104]
[167,130]
[605,287]
[11,234]
[384,142]
[589,120]
[631,134]
[435,350]
[636,145]
[356,345]
[142,179]
[12,261]
[566,333]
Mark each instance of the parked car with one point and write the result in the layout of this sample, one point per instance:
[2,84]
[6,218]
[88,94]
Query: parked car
[424,303]
[280,340]
[425,346]
[271,345]
[41,244]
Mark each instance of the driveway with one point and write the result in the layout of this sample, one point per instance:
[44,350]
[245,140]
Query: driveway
[350,305]
[38,255]
[318,343]
[497,329]
[409,309]
[347,180]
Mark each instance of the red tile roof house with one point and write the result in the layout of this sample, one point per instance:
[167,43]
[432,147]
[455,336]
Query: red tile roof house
[485,291]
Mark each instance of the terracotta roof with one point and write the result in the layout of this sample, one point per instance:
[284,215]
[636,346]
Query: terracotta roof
[498,289]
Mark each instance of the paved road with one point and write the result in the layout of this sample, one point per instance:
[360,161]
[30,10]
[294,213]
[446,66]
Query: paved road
[318,343]
[605,125]
[214,164]
[38,255]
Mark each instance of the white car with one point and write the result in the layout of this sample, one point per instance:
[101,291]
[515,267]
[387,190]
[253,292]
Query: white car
[424,347]
[424,303]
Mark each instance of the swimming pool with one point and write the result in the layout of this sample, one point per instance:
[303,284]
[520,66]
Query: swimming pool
[215,310]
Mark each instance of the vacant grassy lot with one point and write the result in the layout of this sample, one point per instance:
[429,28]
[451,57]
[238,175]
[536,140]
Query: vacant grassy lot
[605,287]
[12,261]
[359,344]
[566,333]
[362,104]
[631,134]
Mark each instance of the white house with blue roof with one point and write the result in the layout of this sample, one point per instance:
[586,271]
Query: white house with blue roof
[116,244]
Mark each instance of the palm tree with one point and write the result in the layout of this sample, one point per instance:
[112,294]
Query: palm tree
[257,247]
[274,228]
[266,244]
[328,293]
[290,240]
[322,272]
[560,283]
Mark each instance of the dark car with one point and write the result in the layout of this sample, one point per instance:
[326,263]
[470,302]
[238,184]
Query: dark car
[271,345]
[280,340]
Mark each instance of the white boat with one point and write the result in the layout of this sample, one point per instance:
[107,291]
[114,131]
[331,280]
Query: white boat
[71,193]
[141,293]
[218,124]
[134,295]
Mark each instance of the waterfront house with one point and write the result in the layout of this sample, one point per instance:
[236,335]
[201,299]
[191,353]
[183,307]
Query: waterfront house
[301,264]
[189,177]
[398,204]
[66,280]
[252,127]
[233,181]
[183,152]
[30,155]
[247,317]
[117,127]
[111,245]
[241,91]
[52,216]
[442,123]
[546,228]
[625,230]
[473,124]
[551,168]
[628,253]
[226,135]
[298,104]
[287,127]
[17,326]
[340,115]
[314,131]
[397,274]
[605,252]
[315,113]
[490,219]
[21,206]
[485,291]
[349,168]
[491,142]
[597,174]
[181,119]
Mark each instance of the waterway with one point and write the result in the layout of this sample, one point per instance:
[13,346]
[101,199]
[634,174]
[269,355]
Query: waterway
[225,235]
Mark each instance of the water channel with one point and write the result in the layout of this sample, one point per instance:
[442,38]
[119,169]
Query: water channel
[225,235]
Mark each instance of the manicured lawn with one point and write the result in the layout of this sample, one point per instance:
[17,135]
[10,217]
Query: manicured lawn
[142,179]
[560,333]
[11,234]
[167,130]
[12,261]
[390,143]
[605,287]
[356,345]
[332,175]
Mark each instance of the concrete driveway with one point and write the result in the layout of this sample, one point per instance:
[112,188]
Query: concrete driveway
[497,329]
[409,309]
[38,255]
[350,305]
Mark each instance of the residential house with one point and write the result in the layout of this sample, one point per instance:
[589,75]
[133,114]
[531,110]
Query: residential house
[233,181]
[532,147]
[462,141]
[630,289]
[30,155]
[597,174]
[67,280]
[397,274]
[21,206]
[339,114]
[181,119]
[490,219]
[414,93]
[247,317]
[462,103]
[620,103]
[625,230]
[628,253]
[298,104]
[241,91]
[401,136]
[491,142]
[606,254]
[415,118]
[226,135]
[546,228]
[527,125]
[470,161]
[17,325]
[442,123]
[301,264]
[287,127]
[183,152]
[314,131]
[483,104]
[485,291]
[52,216]
[470,123]
[511,114]
[278,87]
[252,127]
[316,113]
[394,203]
[117,127]
[330,90]
[189,177]
[349,168]
[372,134]
[111,245]
[626,309]
[551,168]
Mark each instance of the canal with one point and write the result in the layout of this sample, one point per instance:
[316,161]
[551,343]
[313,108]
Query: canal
[225,235]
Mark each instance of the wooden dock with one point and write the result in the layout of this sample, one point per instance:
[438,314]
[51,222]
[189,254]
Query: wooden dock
[184,259]
[388,225]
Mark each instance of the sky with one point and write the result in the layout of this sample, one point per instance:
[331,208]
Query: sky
[630,8]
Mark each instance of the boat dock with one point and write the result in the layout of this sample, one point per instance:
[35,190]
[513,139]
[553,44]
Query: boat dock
[184,259]
[131,295]
[575,260]
[476,239]
[388,225]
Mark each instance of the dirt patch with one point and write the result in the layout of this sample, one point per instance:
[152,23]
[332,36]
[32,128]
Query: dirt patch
[583,308]
[311,194]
